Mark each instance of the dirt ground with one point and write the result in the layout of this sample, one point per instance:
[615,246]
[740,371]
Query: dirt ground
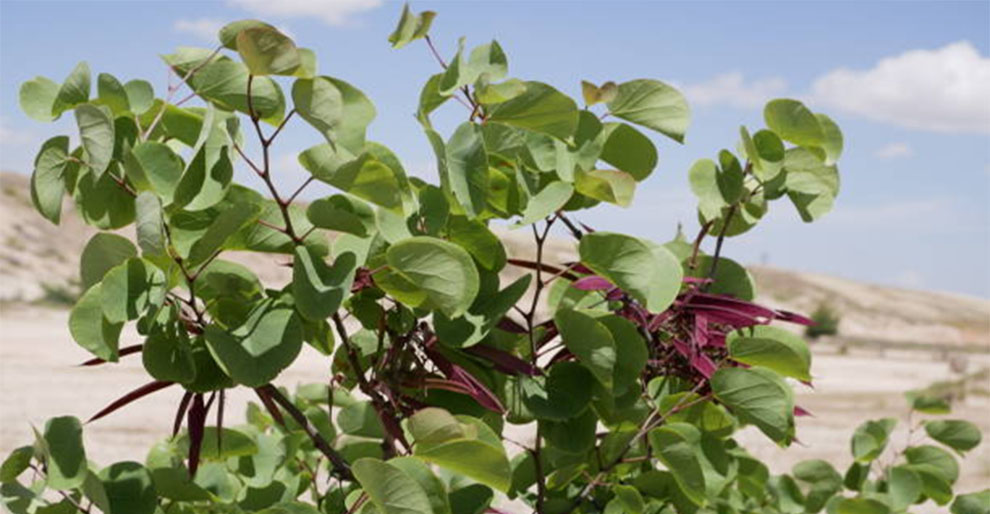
[39,378]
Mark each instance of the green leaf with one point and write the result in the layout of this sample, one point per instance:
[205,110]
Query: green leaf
[716,187]
[461,444]
[226,224]
[476,459]
[650,274]
[319,289]
[111,93]
[904,487]
[358,112]
[442,270]
[610,186]
[594,95]
[391,490]
[471,499]
[342,213]
[793,122]
[630,499]
[767,155]
[366,176]
[434,425]
[37,98]
[870,439]
[973,503]
[96,130]
[184,125]
[129,488]
[933,484]
[566,393]
[628,150]
[475,237]
[64,452]
[548,201]
[630,351]
[957,434]
[675,445]
[453,78]
[430,99]
[654,105]
[935,460]
[757,396]
[811,185]
[928,404]
[467,168]
[132,288]
[166,356]
[320,103]
[90,329]
[153,166]
[590,341]
[360,419]
[224,83]
[16,463]
[230,443]
[103,252]
[772,348]
[540,109]
[575,436]
[730,278]
[488,60]
[707,416]
[255,353]
[49,178]
[140,95]
[832,143]
[266,51]
[74,91]
[149,224]
[490,94]
[411,27]
[823,479]
[208,175]
[229,32]
[482,317]
[434,488]
[861,506]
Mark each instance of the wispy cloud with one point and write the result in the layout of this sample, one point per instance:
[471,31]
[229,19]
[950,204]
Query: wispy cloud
[733,89]
[203,28]
[894,151]
[11,137]
[331,12]
[911,279]
[945,89]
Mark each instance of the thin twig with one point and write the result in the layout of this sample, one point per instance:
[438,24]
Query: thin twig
[339,464]
[718,243]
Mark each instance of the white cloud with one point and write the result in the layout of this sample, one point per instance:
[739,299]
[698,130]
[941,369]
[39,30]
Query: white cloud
[910,279]
[206,29]
[894,151]
[946,90]
[733,89]
[908,214]
[203,28]
[331,12]
[12,137]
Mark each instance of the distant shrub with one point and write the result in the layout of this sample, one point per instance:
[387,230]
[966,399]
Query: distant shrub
[59,295]
[826,322]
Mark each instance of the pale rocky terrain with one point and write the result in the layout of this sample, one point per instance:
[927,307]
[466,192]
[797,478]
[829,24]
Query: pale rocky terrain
[893,340]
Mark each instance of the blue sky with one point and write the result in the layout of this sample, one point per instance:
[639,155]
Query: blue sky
[908,82]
